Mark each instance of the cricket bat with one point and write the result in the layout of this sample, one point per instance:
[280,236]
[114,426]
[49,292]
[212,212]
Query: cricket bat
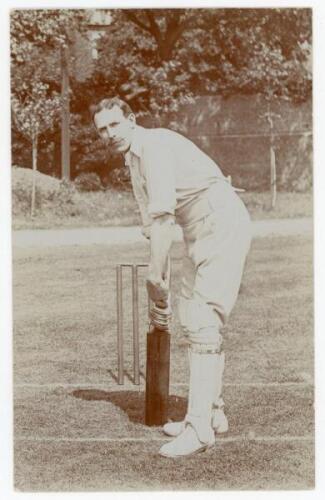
[157,373]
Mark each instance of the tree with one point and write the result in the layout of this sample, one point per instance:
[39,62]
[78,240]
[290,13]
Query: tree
[42,28]
[281,70]
[130,66]
[34,113]
[156,57]
[48,33]
[165,26]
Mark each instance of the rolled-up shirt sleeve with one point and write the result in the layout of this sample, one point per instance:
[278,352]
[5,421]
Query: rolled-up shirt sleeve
[159,166]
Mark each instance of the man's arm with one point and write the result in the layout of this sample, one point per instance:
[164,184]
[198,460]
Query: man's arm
[161,237]
[158,275]
[159,168]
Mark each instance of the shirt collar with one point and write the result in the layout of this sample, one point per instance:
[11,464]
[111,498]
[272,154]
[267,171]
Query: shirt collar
[136,145]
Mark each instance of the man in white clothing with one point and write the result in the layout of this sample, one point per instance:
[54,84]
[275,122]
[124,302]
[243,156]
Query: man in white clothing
[175,182]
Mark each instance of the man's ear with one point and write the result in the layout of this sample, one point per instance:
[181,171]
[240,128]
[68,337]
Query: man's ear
[94,124]
[132,119]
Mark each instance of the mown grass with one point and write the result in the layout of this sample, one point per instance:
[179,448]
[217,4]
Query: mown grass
[133,466]
[65,304]
[65,333]
[72,412]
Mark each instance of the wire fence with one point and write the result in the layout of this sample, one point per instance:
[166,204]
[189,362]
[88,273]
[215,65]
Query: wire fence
[306,133]
[282,159]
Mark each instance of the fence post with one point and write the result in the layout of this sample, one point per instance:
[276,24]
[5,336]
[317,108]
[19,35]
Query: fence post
[269,117]
[273,175]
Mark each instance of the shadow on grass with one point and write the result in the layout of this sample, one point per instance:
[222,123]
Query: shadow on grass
[132,402]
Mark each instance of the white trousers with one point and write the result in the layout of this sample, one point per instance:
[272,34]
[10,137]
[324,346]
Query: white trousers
[216,246]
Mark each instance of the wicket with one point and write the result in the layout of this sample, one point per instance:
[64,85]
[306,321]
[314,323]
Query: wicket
[135,321]
[158,351]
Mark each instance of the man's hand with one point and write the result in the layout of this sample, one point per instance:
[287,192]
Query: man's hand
[160,308]
[145,231]
[158,291]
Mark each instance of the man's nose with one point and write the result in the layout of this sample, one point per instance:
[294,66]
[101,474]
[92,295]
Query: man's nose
[110,133]
[106,133]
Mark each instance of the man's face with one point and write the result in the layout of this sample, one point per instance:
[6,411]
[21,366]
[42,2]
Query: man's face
[115,129]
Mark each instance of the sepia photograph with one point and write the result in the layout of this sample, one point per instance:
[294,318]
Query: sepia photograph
[162,225]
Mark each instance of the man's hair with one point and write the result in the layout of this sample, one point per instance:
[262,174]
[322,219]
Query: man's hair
[109,103]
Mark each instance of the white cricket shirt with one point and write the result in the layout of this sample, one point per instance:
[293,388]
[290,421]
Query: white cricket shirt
[168,171]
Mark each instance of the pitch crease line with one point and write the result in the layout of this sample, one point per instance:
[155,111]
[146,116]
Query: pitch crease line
[176,384]
[234,439]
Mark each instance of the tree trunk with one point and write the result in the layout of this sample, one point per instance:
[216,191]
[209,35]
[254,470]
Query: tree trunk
[65,115]
[34,156]
[165,39]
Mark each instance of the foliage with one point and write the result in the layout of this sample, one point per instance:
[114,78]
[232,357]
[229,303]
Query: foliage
[37,38]
[88,181]
[48,188]
[155,58]
[34,108]
[296,174]
[41,28]
[120,177]
[88,152]
[58,197]
[60,203]
[129,64]
[259,51]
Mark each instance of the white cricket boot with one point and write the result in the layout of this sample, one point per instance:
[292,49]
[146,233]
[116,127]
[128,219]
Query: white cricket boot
[198,434]
[219,419]
[219,424]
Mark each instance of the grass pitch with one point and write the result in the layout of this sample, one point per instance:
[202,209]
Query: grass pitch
[77,430]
